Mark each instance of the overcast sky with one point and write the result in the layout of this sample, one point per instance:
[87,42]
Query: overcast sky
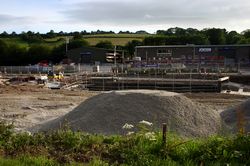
[150,15]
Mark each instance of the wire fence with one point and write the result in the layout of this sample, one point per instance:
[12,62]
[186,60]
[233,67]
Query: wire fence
[56,68]
[169,81]
[109,68]
[123,77]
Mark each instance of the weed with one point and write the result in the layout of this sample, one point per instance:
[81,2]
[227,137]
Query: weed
[68,147]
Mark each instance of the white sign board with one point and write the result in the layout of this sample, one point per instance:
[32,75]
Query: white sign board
[205,49]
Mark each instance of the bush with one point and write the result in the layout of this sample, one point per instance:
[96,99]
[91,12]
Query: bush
[66,146]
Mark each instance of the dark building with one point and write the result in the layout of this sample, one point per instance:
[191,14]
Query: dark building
[223,55]
[92,55]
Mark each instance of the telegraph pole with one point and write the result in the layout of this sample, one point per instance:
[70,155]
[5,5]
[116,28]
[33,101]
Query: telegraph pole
[115,60]
[122,60]
[115,56]
[66,44]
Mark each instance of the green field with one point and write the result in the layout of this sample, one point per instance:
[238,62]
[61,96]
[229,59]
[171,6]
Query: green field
[48,42]
[115,39]
[15,41]
[118,35]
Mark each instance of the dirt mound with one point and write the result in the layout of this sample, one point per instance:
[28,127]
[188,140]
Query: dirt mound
[106,113]
[237,113]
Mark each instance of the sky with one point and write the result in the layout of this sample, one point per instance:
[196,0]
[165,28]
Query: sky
[122,15]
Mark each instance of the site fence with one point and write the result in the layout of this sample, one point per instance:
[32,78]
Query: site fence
[108,68]
[124,77]
[45,69]
[186,82]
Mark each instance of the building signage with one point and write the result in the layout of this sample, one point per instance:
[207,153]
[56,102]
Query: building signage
[205,49]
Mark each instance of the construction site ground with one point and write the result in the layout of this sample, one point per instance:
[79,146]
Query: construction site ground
[27,105]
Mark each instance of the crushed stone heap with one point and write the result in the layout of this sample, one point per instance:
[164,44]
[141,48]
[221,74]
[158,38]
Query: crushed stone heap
[237,113]
[106,113]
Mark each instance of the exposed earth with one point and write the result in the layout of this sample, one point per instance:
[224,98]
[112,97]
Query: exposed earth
[29,105]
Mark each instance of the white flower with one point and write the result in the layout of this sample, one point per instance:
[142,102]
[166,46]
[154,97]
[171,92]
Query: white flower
[150,136]
[29,133]
[146,123]
[127,126]
[130,133]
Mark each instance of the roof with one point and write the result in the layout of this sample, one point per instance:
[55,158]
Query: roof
[192,45]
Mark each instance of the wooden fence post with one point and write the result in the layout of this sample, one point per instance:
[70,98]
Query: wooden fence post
[164,133]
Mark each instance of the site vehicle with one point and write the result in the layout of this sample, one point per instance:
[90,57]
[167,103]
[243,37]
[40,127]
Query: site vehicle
[57,76]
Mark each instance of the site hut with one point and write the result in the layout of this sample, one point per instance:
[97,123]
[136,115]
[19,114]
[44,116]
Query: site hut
[92,55]
[197,56]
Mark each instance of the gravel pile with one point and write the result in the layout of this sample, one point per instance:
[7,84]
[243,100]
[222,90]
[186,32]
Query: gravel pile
[106,113]
[237,113]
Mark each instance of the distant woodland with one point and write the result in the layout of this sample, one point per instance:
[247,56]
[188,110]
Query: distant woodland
[28,48]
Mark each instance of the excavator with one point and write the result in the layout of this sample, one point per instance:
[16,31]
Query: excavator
[55,76]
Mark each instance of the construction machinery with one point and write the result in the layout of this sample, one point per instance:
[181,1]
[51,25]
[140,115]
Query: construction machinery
[55,76]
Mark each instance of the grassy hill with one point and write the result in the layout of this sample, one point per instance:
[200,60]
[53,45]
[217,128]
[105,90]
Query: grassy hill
[116,39]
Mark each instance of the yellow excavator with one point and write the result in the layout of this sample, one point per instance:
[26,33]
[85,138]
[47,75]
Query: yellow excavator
[55,76]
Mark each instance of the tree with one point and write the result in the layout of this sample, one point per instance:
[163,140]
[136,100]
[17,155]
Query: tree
[154,40]
[4,34]
[141,32]
[246,33]
[77,36]
[13,34]
[58,54]
[77,43]
[61,33]
[3,52]
[216,36]
[105,44]
[39,52]
[233,37]
[130,46]
[17,55]
[172,31]
[84,32]
[124,32]
[192,31]
[31,37]
[51,34]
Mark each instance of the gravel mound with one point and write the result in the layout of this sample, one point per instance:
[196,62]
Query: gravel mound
[106,113]
[231,116]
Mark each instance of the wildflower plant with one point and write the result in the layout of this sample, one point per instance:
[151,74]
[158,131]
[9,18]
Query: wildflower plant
[144,126]
[146,123]
[127,126]
[144,129]
[150,136]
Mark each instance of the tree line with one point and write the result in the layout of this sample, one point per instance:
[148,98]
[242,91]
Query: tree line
[16,54]
[213,36]
[52,33]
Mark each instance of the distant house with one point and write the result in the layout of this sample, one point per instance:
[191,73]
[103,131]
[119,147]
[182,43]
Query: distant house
[90,55]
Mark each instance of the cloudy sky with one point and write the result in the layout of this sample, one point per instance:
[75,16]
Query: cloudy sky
[116,15]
